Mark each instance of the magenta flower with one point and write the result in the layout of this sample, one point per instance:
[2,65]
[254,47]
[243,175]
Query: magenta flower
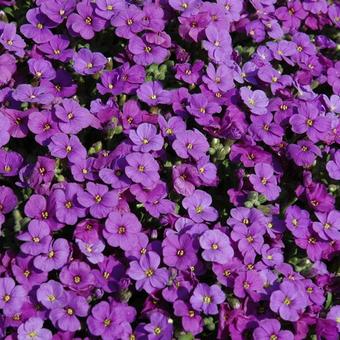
[304,152]
[248,282]
[216,247]
[147,274]
[121,230]
[206,298]
[328,226]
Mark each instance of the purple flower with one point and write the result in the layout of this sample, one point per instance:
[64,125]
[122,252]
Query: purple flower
[85,22]
[109,8]
[98,199]
[11,41]
[54,257]
[198,207]
[191,321]
[248,282]
[32,329]
[190,143]
[92,250]
[218,44]
[39,26]
[41,69]
[265,182]
[72,117]
[179,251]
[51,295]
[7,68]
[58,10]
[189,73]
[219,79]
[56,48]
[216,247]
[87,62]
[257,100]
[328,226]
[37,238]
[289,301]
[27,93]
[12,297]
[270,329]
[310,122]
[153,93]
[65,318]
[109,320]
[62,146]
[145,53]
[145,138]
[128,21]
[67,207]
[147,274]
[77,276]
[121,230]
[160,327]
[8,200]
[334,314]
[206,298]
[142,168]
[333,166]
[304,152]
[283,50]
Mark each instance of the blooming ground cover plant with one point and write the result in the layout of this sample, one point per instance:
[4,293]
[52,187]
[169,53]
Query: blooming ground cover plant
[169,169]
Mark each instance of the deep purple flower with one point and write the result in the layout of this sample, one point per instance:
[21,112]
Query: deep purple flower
[153,93]
[328,226]
[160,327]
[191,321]
[206,298]
[248,282]
[57,48]
[58,10]
[304,152]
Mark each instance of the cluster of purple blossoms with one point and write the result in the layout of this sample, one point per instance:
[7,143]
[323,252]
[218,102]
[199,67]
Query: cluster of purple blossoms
[169,169]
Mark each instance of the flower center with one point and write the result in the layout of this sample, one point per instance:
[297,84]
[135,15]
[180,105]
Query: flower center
[51,254]
[36,239]
[287,301]
[145,141]
[180,252]
[250,239]
[88,20]
[199,209]
[246,284]
[106,275]
[273,337]
[121,230]
[264,180]
[68,205]
[207,299]
[27,273]
[245,221]
[32,334]
[310,122]
[107,322]
[157,330]
[51,298]
[98,198]
[214,246]
[326,225]
[70,311]
[129,22]
[68,148]
[77,279]
[141,168]
[149,272]
[7,168]
[40,26]
[6,298]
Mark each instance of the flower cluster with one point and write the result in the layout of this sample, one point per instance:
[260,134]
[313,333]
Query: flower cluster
[169,169]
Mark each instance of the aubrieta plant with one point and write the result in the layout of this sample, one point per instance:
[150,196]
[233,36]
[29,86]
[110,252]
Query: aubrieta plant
[169,169]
